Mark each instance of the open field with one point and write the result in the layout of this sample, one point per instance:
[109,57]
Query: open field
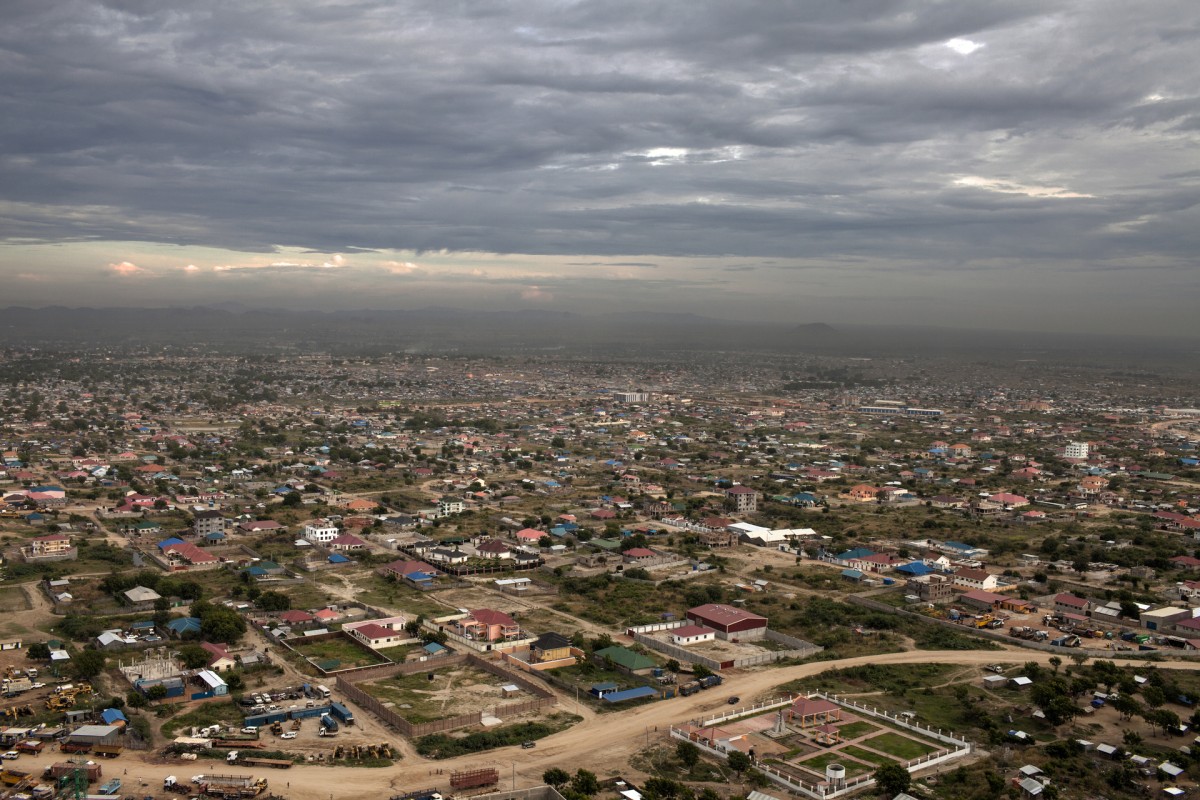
[453,691]
[344,651]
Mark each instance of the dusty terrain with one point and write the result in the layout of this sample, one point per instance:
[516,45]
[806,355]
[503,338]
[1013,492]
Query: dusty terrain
[603,744]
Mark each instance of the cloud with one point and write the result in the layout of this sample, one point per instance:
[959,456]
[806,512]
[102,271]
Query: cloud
[536,294]
[403,268]
[963,46]
[127,269]
[596,138]
[1008,187]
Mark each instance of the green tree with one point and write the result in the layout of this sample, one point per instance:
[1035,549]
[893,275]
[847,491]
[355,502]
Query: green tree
[274,601]
[1153,695]
[39,651]
[135,699]
[157,692]
[193,656]
[738,761]
[688,754]
[1126,706]
[88,664]
[555,777]
[585,782]
[892,779]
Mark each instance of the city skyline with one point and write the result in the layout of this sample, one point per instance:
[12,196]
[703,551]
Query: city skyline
[1010,165]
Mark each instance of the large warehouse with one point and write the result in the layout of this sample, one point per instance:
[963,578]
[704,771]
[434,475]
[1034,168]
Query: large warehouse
[730,623]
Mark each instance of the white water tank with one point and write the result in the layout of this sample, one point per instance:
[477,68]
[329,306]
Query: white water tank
[836,775]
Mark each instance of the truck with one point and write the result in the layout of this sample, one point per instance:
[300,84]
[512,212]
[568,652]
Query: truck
[272,763]
[709,681]
[14,686]
[322,690]
[341,712]
[112,787]
[689,688]
[328,723]
[419,794]
[232,786]
[472,778]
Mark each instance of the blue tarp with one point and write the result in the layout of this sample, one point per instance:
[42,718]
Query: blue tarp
[635,693]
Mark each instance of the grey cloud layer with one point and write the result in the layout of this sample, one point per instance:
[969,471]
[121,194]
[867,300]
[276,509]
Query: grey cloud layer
[748,129]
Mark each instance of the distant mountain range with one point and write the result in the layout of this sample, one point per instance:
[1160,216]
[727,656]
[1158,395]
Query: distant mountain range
[233,326]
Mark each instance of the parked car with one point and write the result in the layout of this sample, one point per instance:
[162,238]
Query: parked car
[249,729]
[527,745]
[733,701]
[289,735]
[10,755]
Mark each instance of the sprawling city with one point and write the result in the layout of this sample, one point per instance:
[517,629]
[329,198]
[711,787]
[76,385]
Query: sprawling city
[599,400]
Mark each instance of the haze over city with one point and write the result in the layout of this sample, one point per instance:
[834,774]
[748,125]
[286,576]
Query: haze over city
[1010,165]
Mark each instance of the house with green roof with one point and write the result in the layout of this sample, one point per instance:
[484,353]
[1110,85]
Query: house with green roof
[625,660]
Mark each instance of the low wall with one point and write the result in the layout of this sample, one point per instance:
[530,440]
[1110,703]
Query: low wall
[822,791]
[543,697]
[1002,638]
[802,649]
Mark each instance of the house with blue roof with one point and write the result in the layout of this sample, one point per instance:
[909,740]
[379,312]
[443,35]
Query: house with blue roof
[184,625]
[915,569]
[165,543]
[113,716]
[338,558]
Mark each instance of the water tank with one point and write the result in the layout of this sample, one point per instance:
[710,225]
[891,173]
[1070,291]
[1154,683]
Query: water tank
[836,775]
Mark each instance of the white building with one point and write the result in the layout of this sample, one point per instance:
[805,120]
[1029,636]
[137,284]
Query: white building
[692,634]
[1076,450]
[631,397]
[320,531]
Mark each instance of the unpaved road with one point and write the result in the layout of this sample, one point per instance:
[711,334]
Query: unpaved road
[604,744]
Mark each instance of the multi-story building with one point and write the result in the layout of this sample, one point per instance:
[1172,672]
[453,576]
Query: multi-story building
[742,499]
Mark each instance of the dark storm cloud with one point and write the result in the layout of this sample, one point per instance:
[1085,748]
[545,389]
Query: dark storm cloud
[747,129]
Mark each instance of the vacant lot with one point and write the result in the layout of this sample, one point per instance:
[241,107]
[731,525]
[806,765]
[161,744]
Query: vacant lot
[345,652]
[453,691]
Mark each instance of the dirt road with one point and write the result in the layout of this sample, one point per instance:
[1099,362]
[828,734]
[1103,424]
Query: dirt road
[603,744]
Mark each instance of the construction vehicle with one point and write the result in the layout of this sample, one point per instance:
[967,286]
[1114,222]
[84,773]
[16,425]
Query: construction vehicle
[472,778]
[232,786]
[11,777]
[328,723]
[13,712]
[277,728]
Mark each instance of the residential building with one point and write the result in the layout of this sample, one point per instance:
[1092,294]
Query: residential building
[742,499]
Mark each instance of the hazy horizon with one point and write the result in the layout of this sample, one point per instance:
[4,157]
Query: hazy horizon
[1014,165]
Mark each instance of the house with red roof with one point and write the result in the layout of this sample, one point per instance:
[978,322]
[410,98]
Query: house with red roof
[1069,603]
[487,625]
[493,548]
[219,659]
[635,554]
[729,622]
[530,535]
[692,634]
[398,569]
[260,526]
[347,542]
[379,633]
[295,616]
[185,556]
[53,547]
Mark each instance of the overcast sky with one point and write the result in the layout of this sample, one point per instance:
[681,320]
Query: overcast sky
[1008,163]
